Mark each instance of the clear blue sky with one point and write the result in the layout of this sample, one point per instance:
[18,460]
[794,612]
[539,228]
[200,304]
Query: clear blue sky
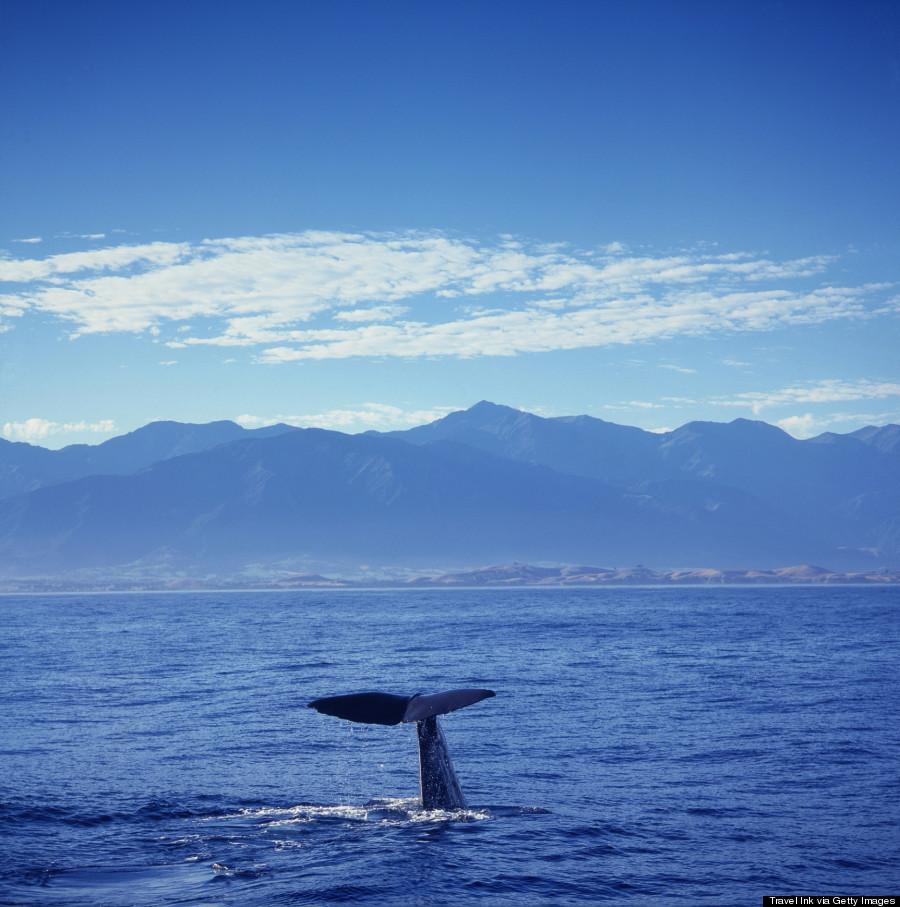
[364,215]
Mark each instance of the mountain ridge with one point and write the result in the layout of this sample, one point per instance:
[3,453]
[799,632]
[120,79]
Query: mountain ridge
[26,467]
[489,484]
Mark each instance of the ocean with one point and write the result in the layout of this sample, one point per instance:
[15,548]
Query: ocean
[647,746]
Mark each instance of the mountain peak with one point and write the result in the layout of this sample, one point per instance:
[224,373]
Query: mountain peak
[883,437]
[487,408]
[492,484]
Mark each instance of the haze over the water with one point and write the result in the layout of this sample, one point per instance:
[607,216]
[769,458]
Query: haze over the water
[357,215]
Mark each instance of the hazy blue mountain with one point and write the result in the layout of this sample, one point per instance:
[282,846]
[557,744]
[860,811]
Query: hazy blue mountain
[487,485]
[802,476]
[885,438]
[749,454]
[326,496]
[25,467]
[811,483]
[580,445]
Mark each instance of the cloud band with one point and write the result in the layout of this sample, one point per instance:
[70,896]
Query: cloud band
[316,295]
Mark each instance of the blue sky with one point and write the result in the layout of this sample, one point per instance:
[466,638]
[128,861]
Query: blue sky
[366,215]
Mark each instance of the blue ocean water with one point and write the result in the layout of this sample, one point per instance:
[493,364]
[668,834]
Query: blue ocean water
[646,746]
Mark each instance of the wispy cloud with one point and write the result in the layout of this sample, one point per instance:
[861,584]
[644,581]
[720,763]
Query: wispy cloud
[608,321]
[37,429]
[808,425]
[679,368]
[813,392]
[59,290]
[819,395]
[318,295]
[363,417]
[805,426]
[375,313]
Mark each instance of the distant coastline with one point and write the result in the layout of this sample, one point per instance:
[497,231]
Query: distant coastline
[221,506]
[498,575]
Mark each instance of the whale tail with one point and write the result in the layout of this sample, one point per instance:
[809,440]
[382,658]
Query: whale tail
[438,784]
[387,708]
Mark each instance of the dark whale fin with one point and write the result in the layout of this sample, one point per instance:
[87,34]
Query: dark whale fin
[437,779]
[421,707]
[368,708]
[387,708]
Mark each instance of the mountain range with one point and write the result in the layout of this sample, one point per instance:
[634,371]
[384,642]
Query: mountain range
[485,485]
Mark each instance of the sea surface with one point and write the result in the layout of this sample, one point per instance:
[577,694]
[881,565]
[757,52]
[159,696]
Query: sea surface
[698,746]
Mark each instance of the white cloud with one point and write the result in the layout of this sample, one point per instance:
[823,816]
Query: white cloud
[52,269]
[533,329]
[380,416]
[881,418]
[809,425]
[813,392]
[250,421]
[321,295]
[822,394]
[32,430]
[805,426]
[679,368]
[376,313]
[30,239]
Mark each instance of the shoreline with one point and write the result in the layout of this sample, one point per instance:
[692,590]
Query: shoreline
[496,576]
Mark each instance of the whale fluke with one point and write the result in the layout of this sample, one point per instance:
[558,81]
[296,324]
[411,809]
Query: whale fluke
[438,784]
[367,708]
[388,708]
[422,707]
